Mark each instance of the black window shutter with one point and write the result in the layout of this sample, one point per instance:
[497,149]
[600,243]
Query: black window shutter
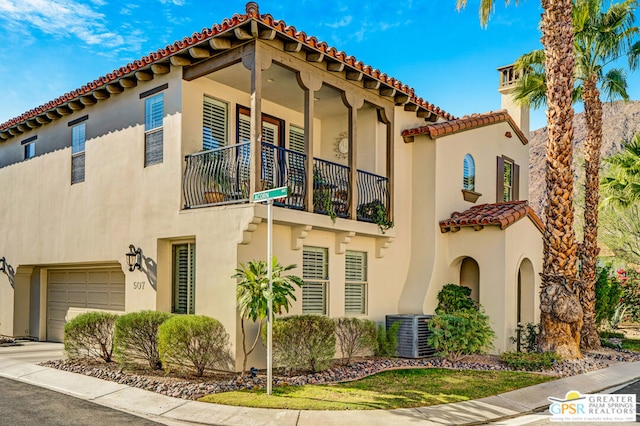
[516,182]
[500,179]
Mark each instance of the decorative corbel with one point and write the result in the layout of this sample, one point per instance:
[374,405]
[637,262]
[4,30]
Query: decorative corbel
[381,245]
[342,239]
[247,234]
[299,233]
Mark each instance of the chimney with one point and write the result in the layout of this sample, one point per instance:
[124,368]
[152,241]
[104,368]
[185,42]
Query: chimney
[519,113]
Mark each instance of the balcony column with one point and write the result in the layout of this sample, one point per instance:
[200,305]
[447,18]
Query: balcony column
[310,84]
[256,61]
[386,116]
[353,102]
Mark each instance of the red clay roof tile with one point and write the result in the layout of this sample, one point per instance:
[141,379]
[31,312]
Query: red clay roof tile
[465,123]
[498,214]
[251,12]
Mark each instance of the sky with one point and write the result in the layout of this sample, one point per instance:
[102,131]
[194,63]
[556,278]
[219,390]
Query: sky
[50,47]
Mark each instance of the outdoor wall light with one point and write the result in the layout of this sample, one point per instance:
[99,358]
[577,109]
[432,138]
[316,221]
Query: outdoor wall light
[134,258]
[3,264]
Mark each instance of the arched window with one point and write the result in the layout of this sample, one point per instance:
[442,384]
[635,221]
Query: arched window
[469,174]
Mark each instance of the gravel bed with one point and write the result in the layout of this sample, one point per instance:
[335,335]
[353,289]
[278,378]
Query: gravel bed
[193,388]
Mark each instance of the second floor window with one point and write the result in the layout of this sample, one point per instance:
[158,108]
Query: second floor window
[508,180]
[469,173]
[29,150]
[153,134]
[214,123]
[78,135]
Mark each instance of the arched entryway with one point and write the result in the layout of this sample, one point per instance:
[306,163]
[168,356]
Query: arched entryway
[470,277]
[525,293]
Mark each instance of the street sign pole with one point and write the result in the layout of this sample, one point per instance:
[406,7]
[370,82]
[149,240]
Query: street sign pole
[258,197]
[270,302]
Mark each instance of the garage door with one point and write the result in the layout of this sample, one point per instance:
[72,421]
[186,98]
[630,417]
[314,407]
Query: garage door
[81,289]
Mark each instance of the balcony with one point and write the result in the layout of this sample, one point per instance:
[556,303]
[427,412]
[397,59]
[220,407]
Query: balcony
[221,176]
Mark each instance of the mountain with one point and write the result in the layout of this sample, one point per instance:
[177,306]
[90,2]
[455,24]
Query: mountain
[620,121]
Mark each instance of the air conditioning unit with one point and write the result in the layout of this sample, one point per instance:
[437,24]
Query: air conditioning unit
[412,335]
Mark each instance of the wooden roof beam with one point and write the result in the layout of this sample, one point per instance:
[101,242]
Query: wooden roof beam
[401,98]
[144,75]
[77,105]
[114,89]
[267,34]
[53,115]
[127,82]
[180,61]
[247,34]
[33,123]
[315,56]
[411,107]
[199,52]
[354,75]
[387,91]
[160,68]
[219,43]
[87,100]
[23,127]
[335,66]
[371,84]
[64,110]
[15,131]
[292,46]
[43,119]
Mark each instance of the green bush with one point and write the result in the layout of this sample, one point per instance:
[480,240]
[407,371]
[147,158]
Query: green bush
[303,342]
[461,333]
[194,339]
[387,340]
[454,298]
[608,293]
[631,295]
[526,337]
[90,335]
[530,361]
[136,338]
[354,336]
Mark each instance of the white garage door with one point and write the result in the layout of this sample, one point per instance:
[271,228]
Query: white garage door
[81,289]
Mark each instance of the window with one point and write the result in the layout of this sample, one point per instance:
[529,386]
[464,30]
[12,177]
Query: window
[78,135]
[296,139]
[214,123]
[508,180]
[154,112]
[184,279]
[469,173]
[355,287]
[315,273]
[29,150]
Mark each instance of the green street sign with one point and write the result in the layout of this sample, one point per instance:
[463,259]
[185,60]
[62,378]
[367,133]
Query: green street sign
[270,194]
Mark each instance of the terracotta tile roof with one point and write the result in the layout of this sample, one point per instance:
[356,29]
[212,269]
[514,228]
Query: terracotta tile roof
[465,123]
[498,214]
[252,12]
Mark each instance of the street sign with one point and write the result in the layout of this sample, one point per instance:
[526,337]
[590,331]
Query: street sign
[270,194]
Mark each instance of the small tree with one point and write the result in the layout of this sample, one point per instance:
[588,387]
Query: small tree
[252,293]
[354,335]
[453,298]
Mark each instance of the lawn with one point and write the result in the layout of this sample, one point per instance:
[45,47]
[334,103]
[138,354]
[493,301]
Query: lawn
[631,344]
[386,390]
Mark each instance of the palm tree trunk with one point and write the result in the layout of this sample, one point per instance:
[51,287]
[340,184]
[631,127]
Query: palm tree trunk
[589,338]
[561,313]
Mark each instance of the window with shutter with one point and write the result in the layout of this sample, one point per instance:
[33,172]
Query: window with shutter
[214,123]
[184,278]
[153,140]
[315,273]
[355,288]
[508,180]
[78,136]
[296,139]
[271,134]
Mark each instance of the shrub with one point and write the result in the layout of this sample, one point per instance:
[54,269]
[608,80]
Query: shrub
[136,338]
[90,335]
[194,339]
[526,337]
[454,298]
[303,342]
[530,361]
[631,294]
[461,333]
[354,335]
[387,340]
[608,293]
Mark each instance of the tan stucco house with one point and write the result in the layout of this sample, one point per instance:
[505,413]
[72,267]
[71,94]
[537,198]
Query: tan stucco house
[162,156]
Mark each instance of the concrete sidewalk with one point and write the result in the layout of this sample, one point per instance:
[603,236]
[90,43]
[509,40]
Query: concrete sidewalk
[169,410]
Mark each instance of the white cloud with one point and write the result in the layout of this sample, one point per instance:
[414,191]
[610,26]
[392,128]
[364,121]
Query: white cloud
[60,18]
[346,20]
[174,2]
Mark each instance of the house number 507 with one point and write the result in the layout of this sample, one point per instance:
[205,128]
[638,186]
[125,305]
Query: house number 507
[138,285]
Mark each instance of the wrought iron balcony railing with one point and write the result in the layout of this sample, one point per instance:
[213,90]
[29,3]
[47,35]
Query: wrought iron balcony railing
[221,176]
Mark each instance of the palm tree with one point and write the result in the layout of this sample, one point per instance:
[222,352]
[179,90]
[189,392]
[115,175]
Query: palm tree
[621,182]
[252,293]
[561,314]
[601,37]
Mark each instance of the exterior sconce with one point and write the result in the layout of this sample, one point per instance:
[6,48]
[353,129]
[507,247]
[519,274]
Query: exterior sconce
[3,264]
[134,258]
